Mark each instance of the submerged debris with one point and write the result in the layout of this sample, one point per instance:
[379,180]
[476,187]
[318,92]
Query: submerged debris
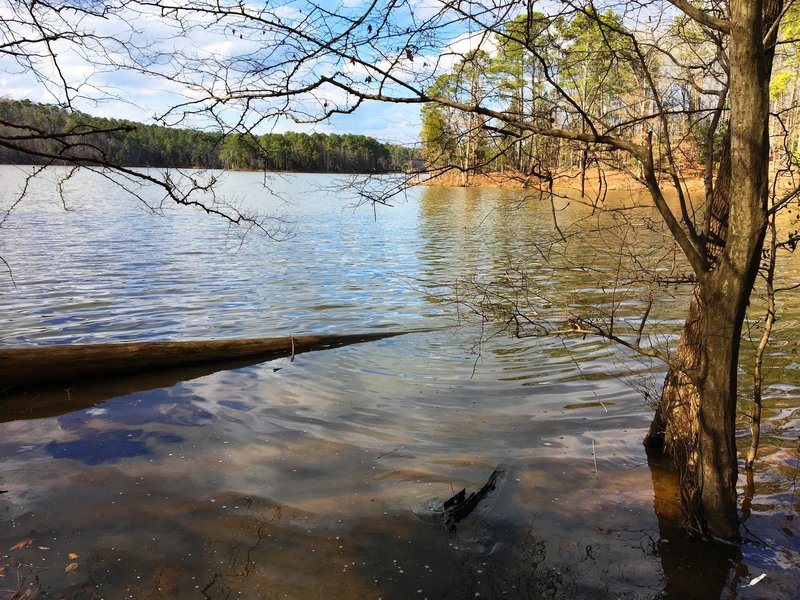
[460,505]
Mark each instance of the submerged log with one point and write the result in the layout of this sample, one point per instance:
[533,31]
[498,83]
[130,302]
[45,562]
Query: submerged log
[47,365]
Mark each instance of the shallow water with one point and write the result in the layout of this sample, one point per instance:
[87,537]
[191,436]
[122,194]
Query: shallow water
[323,476]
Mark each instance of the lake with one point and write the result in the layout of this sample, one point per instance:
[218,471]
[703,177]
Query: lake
[323,475]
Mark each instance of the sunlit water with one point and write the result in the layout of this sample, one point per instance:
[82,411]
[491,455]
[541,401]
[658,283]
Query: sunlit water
[324,476]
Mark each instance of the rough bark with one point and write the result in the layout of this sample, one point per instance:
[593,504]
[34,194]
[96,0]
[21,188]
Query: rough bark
[674,431]
[695,420]
[726,289]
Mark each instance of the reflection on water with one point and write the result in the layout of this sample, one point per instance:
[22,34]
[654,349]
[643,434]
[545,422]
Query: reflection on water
[323,477]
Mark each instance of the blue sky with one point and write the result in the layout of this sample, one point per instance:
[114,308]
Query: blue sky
[116,93]
[127,95]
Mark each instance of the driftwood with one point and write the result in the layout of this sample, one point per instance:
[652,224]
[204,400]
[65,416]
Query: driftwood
[47,365]
[460,505]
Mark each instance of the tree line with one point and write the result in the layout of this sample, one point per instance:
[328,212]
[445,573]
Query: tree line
[39,131]
[529,65]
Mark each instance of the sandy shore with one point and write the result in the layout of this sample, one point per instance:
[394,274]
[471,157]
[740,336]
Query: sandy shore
[596,181]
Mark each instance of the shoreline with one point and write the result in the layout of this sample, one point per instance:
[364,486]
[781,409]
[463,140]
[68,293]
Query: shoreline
[609,179]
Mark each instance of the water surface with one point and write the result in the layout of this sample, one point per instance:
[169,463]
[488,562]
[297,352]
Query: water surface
[323,476]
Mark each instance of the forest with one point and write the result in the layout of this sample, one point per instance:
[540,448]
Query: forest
[541,72]
[122,142]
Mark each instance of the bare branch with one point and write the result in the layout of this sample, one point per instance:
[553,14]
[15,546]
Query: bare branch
[702,17]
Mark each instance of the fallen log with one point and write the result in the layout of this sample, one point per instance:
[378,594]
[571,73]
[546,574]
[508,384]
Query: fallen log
[46,365]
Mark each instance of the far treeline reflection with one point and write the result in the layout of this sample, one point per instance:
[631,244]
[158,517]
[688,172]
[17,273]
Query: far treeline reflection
[138,145]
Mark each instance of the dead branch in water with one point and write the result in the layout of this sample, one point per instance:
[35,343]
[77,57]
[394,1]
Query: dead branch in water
[460,505]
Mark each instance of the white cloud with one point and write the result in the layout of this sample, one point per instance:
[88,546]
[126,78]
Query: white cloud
[425,9]
[466,43]
[111,91]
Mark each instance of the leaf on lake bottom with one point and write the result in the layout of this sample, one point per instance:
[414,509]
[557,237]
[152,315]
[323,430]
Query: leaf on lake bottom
[3,571]
[71,567]
[72,556]
[20,545]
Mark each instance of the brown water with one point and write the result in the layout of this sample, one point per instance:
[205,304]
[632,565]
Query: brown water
[324,477]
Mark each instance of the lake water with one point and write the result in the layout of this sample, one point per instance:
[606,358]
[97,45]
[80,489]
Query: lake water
[324,476]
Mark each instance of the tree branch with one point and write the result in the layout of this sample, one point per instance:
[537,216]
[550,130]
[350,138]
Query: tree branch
[702,17]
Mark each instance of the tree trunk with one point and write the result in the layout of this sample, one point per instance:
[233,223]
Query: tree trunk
[673,430]
[695,420]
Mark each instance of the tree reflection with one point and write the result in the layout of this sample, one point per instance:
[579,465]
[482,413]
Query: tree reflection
[692,567]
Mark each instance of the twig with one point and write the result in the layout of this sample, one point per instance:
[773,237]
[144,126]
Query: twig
[769,321]
[578,367]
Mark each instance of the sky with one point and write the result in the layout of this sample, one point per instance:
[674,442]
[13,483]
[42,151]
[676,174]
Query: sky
[118,93]
[115,93]
[124,94]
